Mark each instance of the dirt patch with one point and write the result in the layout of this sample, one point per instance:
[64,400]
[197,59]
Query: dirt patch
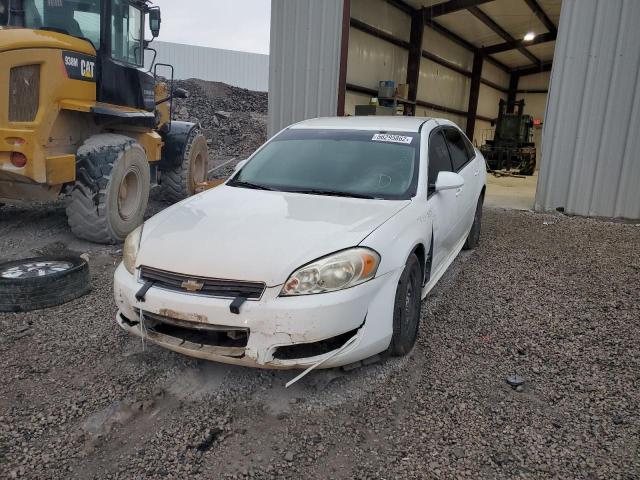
[551,298]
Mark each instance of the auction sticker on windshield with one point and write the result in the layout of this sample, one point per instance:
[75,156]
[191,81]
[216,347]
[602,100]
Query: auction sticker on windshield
[385,137]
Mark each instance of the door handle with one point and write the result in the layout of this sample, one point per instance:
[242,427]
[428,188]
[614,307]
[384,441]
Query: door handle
[476,172]
[458,192]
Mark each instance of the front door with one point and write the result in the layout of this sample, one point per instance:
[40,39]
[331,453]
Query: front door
[464,165]
[441,206]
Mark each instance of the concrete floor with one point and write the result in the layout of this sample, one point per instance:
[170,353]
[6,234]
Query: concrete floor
[511,192]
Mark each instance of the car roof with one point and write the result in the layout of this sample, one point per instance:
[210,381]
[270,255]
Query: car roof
[385,123]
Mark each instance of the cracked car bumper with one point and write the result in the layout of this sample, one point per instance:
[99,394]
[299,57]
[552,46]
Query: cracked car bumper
[271,323]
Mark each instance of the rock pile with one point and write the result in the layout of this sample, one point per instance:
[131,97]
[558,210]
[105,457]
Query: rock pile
[234,120]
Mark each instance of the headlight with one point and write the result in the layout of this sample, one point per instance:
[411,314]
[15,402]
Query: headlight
[130,250]
[334,272]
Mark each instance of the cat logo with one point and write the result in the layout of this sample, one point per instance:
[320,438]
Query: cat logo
[86,68]
[192,285]
[79,66]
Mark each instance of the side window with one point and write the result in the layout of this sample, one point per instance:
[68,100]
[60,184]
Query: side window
[126,32]
[470,150]
[439,159]
[458,148]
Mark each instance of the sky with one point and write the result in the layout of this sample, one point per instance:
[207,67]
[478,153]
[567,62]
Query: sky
[230,24]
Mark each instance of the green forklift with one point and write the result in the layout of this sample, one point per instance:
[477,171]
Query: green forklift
[512,147]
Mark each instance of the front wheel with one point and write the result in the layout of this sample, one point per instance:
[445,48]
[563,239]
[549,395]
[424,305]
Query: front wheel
[474,234]
[111,191]
[406,310]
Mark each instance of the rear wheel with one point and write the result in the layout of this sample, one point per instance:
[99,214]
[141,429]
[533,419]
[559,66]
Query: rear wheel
[111,191]
[406,309]
[474,234]
[181,182]
[528,165]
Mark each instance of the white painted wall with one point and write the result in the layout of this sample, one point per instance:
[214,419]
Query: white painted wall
[495,74]
[535,105]
[443,86]
[383,16]
[371,59]
[439,45]
[535,81]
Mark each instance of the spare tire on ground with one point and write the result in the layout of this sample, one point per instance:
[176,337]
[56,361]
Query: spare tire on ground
[41,282]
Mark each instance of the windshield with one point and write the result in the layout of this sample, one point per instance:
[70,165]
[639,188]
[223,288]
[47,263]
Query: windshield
[80,18]
[354,163]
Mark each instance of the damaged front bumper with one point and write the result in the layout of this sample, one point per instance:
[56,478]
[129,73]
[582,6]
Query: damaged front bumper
[272,332]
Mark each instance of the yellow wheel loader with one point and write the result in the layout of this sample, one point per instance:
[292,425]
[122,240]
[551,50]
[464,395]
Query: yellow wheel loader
[81,117]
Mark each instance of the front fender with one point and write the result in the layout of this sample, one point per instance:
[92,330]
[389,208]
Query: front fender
[399,236]
[175,141]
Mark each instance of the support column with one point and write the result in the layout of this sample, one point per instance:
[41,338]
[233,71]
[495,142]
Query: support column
[415,55]
[474,93]
[344,52]
[513,90]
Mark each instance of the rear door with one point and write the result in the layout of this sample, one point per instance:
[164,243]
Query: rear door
[441,206]
[463,160]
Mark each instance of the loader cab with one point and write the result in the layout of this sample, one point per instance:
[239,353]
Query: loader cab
[115,28]
[123,80]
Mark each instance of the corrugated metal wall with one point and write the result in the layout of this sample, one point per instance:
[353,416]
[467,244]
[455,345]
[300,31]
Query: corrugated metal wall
[591,136]
[305,60]
[240,69]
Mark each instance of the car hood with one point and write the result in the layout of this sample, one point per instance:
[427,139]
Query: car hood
[256,235]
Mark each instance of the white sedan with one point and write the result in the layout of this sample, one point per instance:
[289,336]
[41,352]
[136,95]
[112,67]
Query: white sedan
[315,253]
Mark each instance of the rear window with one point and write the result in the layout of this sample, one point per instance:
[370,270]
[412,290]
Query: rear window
[457,148]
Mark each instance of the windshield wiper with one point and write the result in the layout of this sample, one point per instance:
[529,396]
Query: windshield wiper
[333,193]
[255,186]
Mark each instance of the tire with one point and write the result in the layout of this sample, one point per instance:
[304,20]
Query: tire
[22,290]
[111,192]
[406,309]
[181,182]
[528,166]
[474,234]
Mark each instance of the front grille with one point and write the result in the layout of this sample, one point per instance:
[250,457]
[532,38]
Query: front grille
[213,287]
[24,93]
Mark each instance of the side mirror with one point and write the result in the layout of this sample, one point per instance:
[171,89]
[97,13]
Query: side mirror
[154,21]
[239,165]
[448,181]
[180,93]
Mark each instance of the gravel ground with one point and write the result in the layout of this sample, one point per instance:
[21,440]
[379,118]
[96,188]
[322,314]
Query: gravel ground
[552,298]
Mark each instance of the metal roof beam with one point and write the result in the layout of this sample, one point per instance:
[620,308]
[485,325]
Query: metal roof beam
[539,12]
[452,6]
[503,47]
[533,69]
[402,5]
[488,21]
[376,32]
[462,42]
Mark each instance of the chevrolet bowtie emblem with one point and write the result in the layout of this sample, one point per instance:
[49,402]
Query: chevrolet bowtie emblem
[192,285]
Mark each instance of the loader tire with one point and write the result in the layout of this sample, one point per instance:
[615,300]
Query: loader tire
[181,182]
[111,192]
[42,282]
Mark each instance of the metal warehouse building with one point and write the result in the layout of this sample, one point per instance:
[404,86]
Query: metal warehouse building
[579,76]
[240,69]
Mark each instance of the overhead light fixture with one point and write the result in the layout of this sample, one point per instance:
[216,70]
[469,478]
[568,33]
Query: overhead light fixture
[529,36]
